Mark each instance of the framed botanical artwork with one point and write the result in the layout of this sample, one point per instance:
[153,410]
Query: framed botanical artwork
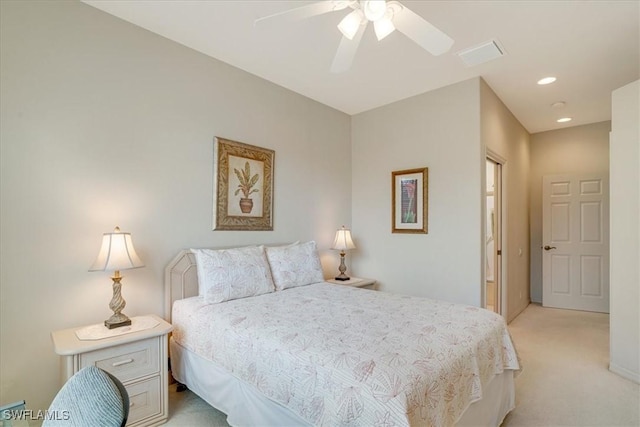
[409,200]
[242,186]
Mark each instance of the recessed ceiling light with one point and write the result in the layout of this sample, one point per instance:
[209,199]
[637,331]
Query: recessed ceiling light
[564,120]
[546,80]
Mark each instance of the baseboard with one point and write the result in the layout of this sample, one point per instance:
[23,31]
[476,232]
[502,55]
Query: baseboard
[625,373]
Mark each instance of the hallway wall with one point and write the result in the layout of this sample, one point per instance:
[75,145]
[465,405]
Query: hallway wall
[504,136]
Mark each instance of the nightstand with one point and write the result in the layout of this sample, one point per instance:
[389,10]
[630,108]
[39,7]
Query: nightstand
[138,359]
[356,282]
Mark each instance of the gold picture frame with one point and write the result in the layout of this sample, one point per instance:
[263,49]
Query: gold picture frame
[409,200]
[242,186]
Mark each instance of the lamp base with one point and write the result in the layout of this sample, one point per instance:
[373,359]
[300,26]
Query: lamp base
[117,321]
[342,268]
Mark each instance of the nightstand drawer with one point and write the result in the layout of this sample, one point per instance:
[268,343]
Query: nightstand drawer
[126,361]
[144,399]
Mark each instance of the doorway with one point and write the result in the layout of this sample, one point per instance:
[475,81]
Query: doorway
[493,233]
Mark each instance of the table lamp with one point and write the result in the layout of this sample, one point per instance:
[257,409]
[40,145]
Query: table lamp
[117,253]
[343,243]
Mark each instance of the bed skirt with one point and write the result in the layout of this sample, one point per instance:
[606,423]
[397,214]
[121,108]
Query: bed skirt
[246,406]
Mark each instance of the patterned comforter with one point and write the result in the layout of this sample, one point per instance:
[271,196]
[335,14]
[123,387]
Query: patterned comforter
[337,355]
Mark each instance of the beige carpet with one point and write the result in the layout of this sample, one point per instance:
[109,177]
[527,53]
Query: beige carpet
[188,410]
[565,381]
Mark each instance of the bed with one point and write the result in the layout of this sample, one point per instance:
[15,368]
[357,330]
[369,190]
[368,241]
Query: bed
[325,354]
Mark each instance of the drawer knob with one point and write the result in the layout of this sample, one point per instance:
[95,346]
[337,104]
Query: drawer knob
[122,362]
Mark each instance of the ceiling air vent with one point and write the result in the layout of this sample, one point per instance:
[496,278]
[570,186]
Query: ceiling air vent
[482,53]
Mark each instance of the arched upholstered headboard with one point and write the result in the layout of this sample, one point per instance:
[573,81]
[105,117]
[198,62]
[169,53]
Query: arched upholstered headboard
[180,280]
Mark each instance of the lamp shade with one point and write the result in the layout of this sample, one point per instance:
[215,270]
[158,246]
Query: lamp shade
[350,24]
[117,253]
[383,27]
[343,240]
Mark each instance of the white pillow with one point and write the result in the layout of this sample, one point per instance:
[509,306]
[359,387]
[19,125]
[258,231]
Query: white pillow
[294,265]
[228,274]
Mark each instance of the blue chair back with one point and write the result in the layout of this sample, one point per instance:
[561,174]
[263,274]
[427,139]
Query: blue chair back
[92,397]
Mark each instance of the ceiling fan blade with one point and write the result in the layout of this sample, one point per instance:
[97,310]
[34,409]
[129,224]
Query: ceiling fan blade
[420,31]
[347,51]
[306,11]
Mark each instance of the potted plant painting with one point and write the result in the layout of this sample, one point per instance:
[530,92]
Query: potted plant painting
[246,187]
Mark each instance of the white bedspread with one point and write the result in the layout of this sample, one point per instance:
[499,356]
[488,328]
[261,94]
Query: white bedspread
[337,355]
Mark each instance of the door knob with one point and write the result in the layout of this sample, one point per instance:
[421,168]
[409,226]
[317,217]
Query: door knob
[548,248]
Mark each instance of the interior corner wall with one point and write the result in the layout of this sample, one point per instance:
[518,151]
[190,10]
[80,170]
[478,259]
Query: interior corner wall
[438,130]
[573,150]
[625,232]
[104,124]
[503,135]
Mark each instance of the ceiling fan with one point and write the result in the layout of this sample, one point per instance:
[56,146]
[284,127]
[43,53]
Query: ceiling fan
[386,16]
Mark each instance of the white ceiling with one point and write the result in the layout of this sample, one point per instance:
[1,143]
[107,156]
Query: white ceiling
[592,47]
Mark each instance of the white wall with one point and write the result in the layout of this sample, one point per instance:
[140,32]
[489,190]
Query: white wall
[447,130]
[504,136]
[439,130]
[625,232]
[106,124]
[573,150]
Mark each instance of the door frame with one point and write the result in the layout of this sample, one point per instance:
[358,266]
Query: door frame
[501,243]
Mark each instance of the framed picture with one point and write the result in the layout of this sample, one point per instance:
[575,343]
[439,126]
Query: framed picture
[409,200]
[242,186]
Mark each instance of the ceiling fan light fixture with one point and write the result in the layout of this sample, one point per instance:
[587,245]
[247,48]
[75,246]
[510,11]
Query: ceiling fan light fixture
[374,9]
[383,27]
[350,24]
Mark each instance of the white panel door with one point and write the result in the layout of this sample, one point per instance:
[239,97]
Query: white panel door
[575,235]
